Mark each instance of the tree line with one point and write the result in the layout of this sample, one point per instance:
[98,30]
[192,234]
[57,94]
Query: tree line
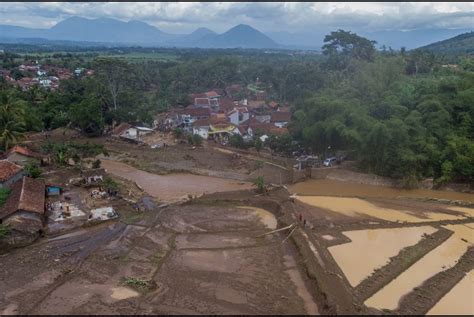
[401,113]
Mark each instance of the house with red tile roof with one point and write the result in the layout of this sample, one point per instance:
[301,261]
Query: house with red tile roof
[280,119]
[21,155]
[24,209]
[9,173]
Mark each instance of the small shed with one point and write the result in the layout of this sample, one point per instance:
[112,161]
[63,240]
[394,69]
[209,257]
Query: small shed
[53,190]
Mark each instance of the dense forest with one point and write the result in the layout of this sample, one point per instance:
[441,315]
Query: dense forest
[402,114]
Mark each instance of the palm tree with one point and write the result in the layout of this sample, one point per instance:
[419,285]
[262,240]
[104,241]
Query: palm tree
[11,132]
[12,124]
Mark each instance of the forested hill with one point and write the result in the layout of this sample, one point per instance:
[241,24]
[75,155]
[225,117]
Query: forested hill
[462,44]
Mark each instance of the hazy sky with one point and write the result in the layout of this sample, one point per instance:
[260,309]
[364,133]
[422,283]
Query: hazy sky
[184,17]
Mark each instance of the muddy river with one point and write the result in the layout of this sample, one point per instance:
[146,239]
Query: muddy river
[326,187]
[173,187]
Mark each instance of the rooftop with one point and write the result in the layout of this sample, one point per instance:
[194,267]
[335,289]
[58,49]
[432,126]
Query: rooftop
[8,170]
[26,194]
[24,151]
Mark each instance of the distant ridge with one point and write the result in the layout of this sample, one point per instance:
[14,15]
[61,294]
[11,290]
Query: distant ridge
[112,31]
[460,44]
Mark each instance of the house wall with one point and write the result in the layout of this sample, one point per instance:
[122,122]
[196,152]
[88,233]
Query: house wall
[202,132]
[263,118]
[130,133]
[245,117]
[273,174]
[234,118]
[12,179]
[280,124]
[24,221]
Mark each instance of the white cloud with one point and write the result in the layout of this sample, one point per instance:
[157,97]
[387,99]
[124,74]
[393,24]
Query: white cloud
[268,16]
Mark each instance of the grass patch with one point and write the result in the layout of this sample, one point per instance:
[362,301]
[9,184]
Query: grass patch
[130,219]
[139,284]
[4,231]
[4,193]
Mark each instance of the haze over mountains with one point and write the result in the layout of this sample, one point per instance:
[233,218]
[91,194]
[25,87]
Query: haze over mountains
[115,32]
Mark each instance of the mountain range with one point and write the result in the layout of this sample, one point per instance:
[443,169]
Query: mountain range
[114,32]
[106,30]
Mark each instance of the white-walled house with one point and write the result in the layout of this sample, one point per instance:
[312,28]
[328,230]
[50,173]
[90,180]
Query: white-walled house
[127,131]
[201,128]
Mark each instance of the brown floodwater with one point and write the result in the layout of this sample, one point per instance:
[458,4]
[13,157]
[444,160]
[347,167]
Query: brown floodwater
[354,207]
[327,187]
[459,300]
[441,258]
[173,187]
[373,248]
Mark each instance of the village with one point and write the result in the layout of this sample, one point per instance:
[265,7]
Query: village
[32,74]
[130,220]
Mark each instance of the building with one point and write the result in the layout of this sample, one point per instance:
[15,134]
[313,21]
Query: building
[280,119]
[21,155]
[9,173]
[129,132]
[201,128]
[202,103]
[24,209]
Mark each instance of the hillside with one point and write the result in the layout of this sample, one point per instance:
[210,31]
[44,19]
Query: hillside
[459,45]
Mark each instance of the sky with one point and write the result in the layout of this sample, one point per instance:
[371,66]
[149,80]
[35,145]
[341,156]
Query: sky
[292,17]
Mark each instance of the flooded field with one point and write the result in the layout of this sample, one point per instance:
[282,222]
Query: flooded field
[190,259]
[326,187]
[173,187]
[358,207]
[459,301]
[441,258]
[371,249]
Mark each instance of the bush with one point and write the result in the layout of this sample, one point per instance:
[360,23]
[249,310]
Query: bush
[32,170]
[178,133]
[4,231]
[96,164]
[258,144]
[195,139]
[259,182]
[110,185]
[237,141]
[4,192]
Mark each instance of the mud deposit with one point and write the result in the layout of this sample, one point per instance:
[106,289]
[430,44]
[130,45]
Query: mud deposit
[459,301]
[326,187]
[355,207]
[371,249]
[189,259]
[172,187]
[443,257]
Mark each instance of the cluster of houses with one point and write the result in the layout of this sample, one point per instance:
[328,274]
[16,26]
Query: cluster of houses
[24,208]
[47,76]
[218,114]
[29,200]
